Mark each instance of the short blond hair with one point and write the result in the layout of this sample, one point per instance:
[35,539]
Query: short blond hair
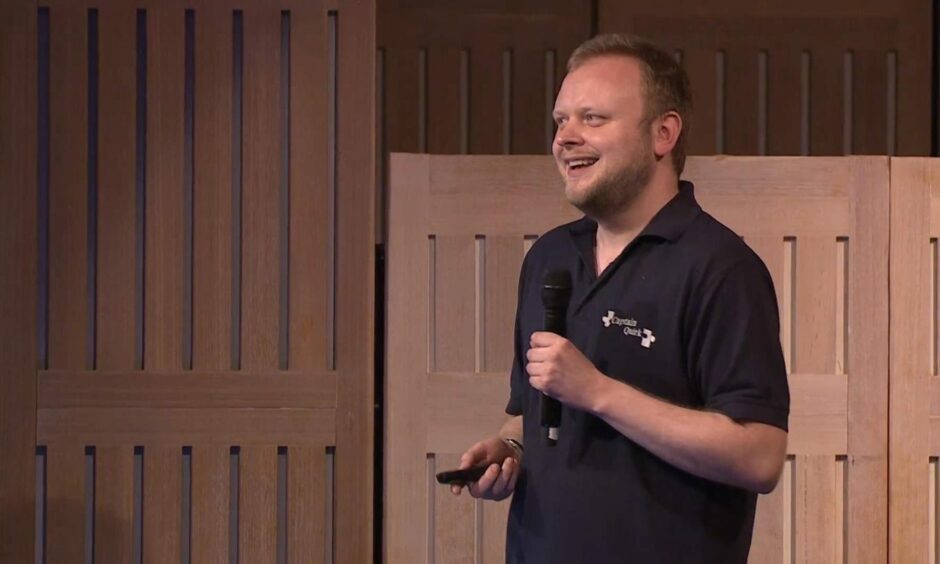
[666,85]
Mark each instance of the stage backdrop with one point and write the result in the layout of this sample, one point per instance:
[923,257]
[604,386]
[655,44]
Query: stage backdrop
[459,228]
[187,288]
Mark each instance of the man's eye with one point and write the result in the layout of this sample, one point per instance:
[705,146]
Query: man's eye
[560,121]
[592,118]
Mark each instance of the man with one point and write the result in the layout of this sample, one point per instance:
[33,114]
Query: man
[673,384]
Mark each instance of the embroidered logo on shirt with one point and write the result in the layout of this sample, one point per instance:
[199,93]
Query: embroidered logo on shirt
[647,338]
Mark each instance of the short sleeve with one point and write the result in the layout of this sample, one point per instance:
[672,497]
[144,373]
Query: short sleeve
[734,349]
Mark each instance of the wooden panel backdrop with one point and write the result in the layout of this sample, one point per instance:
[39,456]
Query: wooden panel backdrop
[796,77]
[915,378]
[205,287]
[459,227]
[474,77]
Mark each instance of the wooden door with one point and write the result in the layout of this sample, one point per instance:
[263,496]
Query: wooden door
[459,229]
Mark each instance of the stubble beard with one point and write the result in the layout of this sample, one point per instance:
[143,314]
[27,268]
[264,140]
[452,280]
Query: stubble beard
[616,191]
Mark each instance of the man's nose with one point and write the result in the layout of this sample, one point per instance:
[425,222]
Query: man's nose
[569,135]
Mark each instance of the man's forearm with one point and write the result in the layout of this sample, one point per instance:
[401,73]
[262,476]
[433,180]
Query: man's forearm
[708,444]
[512,429]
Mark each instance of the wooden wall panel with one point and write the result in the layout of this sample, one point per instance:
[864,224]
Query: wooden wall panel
[915,189]
[19,354]
[841,40]
[282,192]
[831,275]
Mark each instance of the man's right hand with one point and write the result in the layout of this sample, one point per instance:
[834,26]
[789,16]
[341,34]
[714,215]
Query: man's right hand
[499,481]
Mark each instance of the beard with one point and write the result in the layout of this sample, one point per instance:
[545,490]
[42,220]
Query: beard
[616,190]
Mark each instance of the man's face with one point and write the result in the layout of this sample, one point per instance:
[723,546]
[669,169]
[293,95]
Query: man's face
[603,146]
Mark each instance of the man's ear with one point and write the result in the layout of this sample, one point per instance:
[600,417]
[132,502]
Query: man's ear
[666,133]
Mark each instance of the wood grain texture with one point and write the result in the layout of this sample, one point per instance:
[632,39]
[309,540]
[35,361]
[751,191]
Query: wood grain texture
[910,436]
[114,503]
[182,425]
[281,389]
[261,185]
[164,222]
[502,262]
[355,309]
[210,503]
[65,502]
[455,283]
[306,504]
[311,252]
[162,493]
[117,200]
[212,187]
[454,519]
[257,505]
[68,187]
[816,537]
[18,283]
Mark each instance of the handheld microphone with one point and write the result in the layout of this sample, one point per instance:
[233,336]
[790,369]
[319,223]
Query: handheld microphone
[556,293]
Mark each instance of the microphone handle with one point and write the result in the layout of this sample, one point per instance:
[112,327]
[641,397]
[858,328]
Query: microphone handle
[551,407]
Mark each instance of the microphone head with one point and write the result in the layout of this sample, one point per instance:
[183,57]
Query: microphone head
[556,288]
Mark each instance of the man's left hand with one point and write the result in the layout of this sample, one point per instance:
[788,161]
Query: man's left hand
[557,368]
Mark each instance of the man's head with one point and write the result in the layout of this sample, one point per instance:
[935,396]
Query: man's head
[619,113]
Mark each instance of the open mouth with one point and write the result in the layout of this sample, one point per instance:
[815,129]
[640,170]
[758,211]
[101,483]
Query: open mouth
[580,164]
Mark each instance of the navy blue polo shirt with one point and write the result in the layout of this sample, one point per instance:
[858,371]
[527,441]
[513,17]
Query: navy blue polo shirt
[686,313]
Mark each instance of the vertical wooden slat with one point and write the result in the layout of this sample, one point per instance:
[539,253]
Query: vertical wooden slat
[503,261]
[870,104]
[783,101]
[909,407]
[114,503]
[771,251]
[401,100]
[116,187]
[454,304]
[826,81]
[700,66]
[815,339]
[162,488]
[212,188]
[868,361]
[257,505]
[486,98]
[528,95]
[310,252]
[741,81]
[454,519]
[444,101]
[815,509]
[261,189]
[65,503]
[306,498]
[495,515]
[68,187]
[210,504]
[163,266]
[768,539]
[405,448]
[355,298]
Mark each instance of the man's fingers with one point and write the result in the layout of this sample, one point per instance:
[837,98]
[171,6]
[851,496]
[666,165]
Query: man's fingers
[543,339]
[482,487]
[505,476]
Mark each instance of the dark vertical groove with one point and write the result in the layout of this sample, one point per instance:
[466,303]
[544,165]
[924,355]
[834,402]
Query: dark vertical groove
[89,505]
[333,136]
[189,101]
[423,100]
[42,215]
[720,77]
[550,63]
[233,506]
[284,337]
[138,526]
[329,545]
[186,506]
[935,82]
[848,91]
[595,16]
[379,416]
[141,229]
[140,182]
[40,546]
[237,45]
[465,101]
[92,229]
[805,108]
[507,101]
[282,454]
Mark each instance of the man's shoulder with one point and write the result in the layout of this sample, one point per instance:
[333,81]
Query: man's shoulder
[716,248]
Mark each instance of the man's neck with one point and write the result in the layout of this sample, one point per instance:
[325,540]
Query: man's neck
[616,231]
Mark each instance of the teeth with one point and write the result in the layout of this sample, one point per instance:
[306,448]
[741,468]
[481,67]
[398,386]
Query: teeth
[581,162]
